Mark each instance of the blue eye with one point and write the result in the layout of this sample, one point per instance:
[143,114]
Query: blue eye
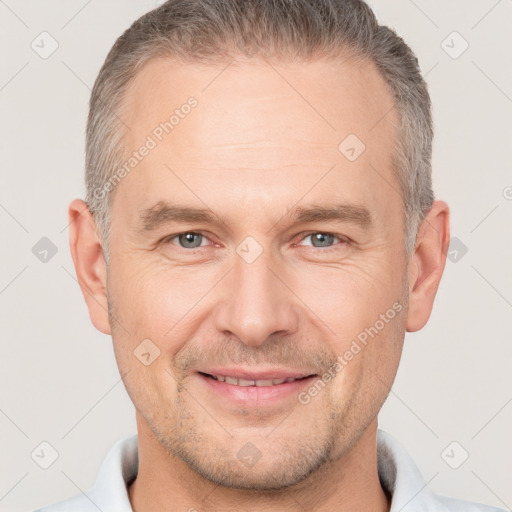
[320,239]
[189,240]
[323,240]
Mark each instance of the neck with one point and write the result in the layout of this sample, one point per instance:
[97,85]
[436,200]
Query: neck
[165,483]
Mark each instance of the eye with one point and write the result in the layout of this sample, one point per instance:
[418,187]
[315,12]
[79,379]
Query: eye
[188,240]
[320,239]
[194,240]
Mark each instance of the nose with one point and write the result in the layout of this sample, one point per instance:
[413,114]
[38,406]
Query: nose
[257,302]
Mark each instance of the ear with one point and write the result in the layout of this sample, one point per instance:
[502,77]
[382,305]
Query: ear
[427,264]
[90,266]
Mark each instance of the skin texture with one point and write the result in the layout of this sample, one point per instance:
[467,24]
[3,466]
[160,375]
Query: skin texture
[250,151]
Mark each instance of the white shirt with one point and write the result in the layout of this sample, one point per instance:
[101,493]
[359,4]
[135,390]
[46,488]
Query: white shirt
[397,472]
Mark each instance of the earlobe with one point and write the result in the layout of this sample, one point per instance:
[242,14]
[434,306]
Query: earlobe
[89,262]
[427,264]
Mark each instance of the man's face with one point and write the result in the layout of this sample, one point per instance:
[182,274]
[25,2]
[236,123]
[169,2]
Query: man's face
[259,291]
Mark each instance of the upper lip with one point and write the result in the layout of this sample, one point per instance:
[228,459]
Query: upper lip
[239,373]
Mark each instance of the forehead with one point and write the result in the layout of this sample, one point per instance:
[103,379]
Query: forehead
[259,130]
[319,100]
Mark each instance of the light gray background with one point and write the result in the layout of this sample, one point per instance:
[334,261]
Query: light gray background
[59,380]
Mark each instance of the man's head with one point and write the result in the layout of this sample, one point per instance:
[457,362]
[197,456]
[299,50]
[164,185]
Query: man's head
[263,233]
[217,32]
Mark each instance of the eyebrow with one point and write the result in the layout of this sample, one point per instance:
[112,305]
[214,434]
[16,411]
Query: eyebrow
[163,213]
[355,214]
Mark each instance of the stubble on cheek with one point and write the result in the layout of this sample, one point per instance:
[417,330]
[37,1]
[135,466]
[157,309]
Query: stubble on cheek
[187,431]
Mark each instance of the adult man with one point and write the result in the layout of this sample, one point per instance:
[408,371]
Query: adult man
[259,233]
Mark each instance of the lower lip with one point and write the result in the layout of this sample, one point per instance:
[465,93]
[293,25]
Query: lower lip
[257,395]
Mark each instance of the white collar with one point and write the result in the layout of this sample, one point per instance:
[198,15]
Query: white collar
[397,473]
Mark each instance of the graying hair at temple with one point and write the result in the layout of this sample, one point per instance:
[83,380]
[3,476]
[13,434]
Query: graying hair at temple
[220,31]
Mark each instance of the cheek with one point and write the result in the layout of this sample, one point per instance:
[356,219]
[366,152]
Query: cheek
[162,302]
[153,298]
[361,313]
[160,310]
[146,307]
[368,365]
[345,300]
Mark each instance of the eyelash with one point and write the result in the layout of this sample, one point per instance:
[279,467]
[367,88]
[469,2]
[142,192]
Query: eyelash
[343,240]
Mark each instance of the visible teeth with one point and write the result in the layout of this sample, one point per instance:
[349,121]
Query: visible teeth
[243,382]
[262,383]
[246,382]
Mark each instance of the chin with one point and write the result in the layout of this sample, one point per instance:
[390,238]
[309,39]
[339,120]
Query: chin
[274,476]
[279,465]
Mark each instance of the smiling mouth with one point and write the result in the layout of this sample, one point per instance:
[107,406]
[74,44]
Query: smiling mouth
[247,382]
